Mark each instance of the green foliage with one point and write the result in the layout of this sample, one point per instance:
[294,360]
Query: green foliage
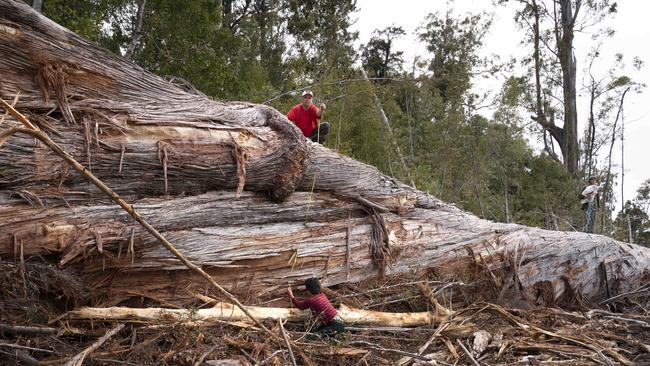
[454,45]
[322,37]
[84,17]
[549,196]
[378,55]
[632,224]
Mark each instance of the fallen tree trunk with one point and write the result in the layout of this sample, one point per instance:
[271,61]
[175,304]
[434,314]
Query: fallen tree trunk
[253,245]
[163,148]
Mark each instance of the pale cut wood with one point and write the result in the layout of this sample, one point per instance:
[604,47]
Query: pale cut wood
[257,246]
[229,312]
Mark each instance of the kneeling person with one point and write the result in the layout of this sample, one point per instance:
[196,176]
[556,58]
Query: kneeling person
[307,117]
[330,322]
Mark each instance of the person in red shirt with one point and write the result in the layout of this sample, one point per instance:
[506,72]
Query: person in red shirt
[307,117]
[330,322]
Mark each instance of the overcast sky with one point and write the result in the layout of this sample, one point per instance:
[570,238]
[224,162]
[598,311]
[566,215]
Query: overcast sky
[631,39]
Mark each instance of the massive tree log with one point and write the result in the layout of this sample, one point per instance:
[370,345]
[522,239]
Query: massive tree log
[183,160]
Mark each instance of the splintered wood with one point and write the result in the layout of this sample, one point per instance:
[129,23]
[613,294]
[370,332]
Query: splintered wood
[480,333]
[173,153]
[253,206]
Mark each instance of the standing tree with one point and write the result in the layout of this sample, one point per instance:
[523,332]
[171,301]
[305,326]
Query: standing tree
[446,99]
[379,56]
[632,223]
[552,26]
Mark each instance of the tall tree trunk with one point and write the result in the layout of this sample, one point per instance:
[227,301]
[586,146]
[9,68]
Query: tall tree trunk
[608,177]
[623,160]
[183,160]
[591,132]
[568,64]
[137,30]
[391,136]
[543,116]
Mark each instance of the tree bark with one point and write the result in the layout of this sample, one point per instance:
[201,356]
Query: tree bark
[543,116]
[137,30]
[182,159]
[568,64]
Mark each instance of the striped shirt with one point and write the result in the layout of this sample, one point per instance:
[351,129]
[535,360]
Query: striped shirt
[319,305]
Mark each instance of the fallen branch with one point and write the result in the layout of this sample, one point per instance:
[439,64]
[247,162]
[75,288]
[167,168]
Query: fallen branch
[377,347]
[23,357]
[78,359]
[466,351]
[19,329]
[639,290]
[18,346]
[406,360]
[205,354]
[286,341]
[229,312]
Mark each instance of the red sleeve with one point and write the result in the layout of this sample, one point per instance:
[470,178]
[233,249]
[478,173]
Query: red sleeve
[300,304]
[315,110]
[291,115]
[314,115]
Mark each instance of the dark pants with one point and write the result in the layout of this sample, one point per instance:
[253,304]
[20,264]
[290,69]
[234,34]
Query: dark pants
[332,328]
[320,134]
[590,217]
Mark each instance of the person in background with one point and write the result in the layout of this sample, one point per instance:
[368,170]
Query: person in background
[330,322]
[307,117]
[590,194]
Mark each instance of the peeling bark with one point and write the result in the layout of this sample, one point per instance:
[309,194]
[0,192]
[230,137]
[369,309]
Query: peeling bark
[182,159]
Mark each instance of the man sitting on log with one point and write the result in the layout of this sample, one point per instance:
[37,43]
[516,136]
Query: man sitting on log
[307,117]
[321,308]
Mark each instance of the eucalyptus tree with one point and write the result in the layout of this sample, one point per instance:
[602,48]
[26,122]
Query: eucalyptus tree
[632,223]
[453,45]
[551,26]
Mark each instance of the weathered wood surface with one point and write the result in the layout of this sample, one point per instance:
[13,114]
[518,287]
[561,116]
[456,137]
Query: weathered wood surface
[252,245]
[228,312]
[164,147]
[110,113]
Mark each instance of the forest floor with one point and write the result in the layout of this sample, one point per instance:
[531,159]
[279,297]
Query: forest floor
[34,329]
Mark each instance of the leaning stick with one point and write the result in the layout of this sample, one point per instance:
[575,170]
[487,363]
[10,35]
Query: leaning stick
[78,359]
[34,131]
[286,341]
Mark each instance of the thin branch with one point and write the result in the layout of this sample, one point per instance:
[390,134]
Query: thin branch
[462,346]
[18,346]
[286,341]
[78,359]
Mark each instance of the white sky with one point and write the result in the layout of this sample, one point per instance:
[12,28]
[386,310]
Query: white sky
[632,34]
